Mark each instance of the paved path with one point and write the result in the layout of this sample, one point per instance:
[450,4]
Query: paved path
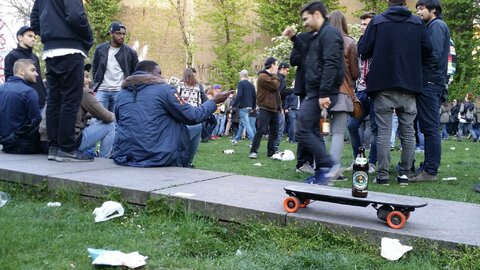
[232,197]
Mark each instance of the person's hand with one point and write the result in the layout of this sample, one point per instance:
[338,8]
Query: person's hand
[324,103]
[222,96]
[289,32]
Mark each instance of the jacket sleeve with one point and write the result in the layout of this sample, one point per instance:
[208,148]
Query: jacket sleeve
[134,61]
[269,83]
[186,113]
[299,48]
[33,109]
[367,41]
[239,96]
[91,104]
[353,61]
[9,61]
[77,19]
[332,60]
[96,62]
[34,18]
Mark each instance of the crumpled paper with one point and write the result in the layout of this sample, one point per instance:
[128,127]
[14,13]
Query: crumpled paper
[286,155]
[116,258]
[392,249]
[109,210]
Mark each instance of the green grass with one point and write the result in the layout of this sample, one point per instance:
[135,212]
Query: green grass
[34,236]
[460,163]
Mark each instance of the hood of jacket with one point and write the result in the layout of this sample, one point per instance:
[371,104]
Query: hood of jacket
[396,14]
[141,79]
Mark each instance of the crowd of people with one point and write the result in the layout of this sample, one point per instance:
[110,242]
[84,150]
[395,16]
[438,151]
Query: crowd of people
[127,110]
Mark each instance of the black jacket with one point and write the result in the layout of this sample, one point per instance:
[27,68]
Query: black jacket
[297,56]
[246,96]
[284,91]
[440,38]
[62,24]
[22,53]
[324,63]
[127,59]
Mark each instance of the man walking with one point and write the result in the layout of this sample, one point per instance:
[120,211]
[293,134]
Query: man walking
[399,45]
[67,37]
[246,101]
[429,101]
[323,76]
[113,61]
[269,102]
[283,70]
[26,41]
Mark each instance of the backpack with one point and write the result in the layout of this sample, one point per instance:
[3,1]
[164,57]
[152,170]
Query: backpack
[469,114]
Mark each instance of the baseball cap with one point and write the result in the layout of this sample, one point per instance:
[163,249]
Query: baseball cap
[283,65]
[116,26]
[23,29]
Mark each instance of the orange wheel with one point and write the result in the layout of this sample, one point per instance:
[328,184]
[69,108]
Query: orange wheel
[291,204]
[304,203]
[396,220]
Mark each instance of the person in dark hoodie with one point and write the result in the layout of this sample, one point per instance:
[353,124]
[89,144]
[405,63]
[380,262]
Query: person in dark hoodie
[152,118]
[399,44]
[67,37]
[436,78]
[323,66]
[26,40]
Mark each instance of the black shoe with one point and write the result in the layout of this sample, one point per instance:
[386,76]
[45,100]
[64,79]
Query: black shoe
[74,156]
[381,181]
[52,153]
[402,180]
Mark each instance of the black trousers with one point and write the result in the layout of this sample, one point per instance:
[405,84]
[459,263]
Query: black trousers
[65,84]
[266,120]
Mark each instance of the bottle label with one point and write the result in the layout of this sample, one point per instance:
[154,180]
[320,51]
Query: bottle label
[360,180]
[361,160]
[326,127]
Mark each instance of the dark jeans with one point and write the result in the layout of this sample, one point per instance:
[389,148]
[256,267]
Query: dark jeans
[26,141]
[428,113]
[308,132]
[266,120]
[65,83]
[354,125]
[208,127]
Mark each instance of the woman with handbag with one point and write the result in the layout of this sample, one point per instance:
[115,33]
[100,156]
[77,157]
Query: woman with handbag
[346,98]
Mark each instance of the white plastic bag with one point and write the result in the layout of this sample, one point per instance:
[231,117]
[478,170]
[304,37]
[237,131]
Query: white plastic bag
[392,249]
[116,258]
[109,210]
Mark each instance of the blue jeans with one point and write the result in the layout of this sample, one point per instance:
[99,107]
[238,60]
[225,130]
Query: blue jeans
[281,130]
[428,107]
[98,131]
[195,137]
[292,119]
[467,126]
[444,131]
[220,127]
[107,98]
[244,124]
[394,130]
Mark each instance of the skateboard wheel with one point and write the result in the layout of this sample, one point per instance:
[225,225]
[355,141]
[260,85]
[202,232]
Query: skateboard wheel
[291,204]
[304,203]
[383,212]
[396,220]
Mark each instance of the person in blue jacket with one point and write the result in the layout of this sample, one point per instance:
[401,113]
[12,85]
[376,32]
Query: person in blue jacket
[152,118]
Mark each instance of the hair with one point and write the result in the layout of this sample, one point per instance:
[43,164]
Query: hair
[392,3]
[367,15]
[147,66]
[469,96]
[337,20]
[21,64]
[430,5]
[244,74]
[313,6]
[189,77]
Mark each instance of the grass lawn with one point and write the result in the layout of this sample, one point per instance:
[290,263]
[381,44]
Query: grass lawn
[459,159]
[34,236]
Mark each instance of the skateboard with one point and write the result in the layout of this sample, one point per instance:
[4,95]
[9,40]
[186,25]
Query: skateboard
[394,210]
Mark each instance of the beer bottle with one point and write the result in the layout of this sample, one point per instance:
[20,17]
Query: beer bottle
[360,175]
[324,123]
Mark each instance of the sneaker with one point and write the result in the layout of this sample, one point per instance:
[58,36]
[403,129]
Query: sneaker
[371,168]
[380,181]
[234,142]
[253,155]
[419,150]
[477,188]
[305,168]
[318,179]
[424,177]
[339,178]
[402,180]
[52,153]
[74,156]
[333,171]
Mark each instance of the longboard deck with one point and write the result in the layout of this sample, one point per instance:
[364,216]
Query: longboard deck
[344,196]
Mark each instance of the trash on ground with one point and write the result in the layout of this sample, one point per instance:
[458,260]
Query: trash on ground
[452,148]
[466,149]
[54,204]
[116,258]
[109,210]
[392,249]
[239,252]
[258,164]
[4,198]
[228,151]
[449,179]
[286,155]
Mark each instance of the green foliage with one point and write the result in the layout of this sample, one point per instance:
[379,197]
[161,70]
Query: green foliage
[229,28]
[101,13]
[275,15]
[371,6]
[460,16]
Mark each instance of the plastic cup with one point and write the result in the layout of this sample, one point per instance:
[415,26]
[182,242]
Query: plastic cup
[4,198]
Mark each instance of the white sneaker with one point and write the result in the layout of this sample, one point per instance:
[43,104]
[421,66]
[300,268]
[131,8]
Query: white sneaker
[371,168]
[234,142]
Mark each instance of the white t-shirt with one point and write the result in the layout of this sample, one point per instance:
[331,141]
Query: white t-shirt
[113,77]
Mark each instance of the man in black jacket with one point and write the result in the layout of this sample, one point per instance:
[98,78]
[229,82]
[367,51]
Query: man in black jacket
[26,41]
[323,66]
[246,101]
[113,61]
[67,38]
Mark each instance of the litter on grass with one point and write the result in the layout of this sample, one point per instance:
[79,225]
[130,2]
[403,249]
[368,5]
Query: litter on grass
[109,210]
[258,164]
[449,179]
[228,151]
[54,204]
[4,198]
[286,155]
[392,249]
[116,258]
